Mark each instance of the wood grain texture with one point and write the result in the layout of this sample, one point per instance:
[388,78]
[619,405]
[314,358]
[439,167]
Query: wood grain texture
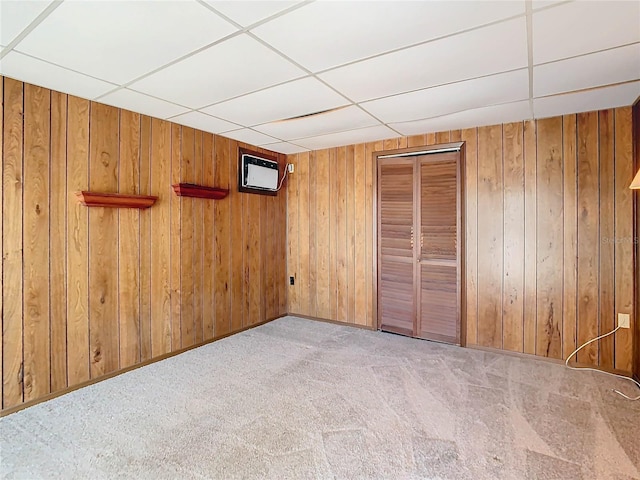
[342,289]
[145,240]
[323,235]
[302,302]
[313,223]
[350,214]
[103,247]
[1,224]
[12,272]
[550,239]
[187,227]
[74,242]
[513,298]
[99,283]
[58,241]
[293,248]
[251,260]
[491,244]
[129,241]
[636,166]
[225,256]
[624,235]
[371,244]
[161,266]
[234,252]
[198,256]
[176,240]
[36,319]
[208,265]
[332,215]
[361,259]
[606,269]
[530,237]
[77,241]
[570,273]
[589,240]
[470,137]
[530,193]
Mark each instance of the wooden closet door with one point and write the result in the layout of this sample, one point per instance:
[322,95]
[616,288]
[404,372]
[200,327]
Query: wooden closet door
[396,257]
[438,275]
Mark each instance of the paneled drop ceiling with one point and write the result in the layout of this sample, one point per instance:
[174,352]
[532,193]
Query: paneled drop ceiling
[258,71]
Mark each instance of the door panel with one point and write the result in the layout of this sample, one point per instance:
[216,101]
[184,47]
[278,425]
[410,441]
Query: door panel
[419,218]
[396,304]
[438,302]
[438,211]
[438,273]
[396,292]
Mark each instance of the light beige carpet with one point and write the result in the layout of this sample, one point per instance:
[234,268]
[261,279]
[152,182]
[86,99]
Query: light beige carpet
[302,399]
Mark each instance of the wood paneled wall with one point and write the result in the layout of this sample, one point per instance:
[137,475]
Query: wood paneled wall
[88,292]
[636,194]
[549,234]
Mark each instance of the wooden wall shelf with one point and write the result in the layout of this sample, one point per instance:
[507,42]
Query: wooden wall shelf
[115,200]
[199,191]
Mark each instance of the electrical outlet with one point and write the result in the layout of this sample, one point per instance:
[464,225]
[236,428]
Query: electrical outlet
[623,320]
[290,167]
[292,281]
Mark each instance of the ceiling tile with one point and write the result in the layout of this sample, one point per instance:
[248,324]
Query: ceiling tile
[454,97]
[326,34]
[138,102]
[251,137]
[602,68]
[369,134]
[204,122]
[15,16]
[583,27]
[303,96]
[37,72]
[596,99]
[537,4]
[284,147]
[347,118]
[119,41]
[249,12]
[510,112]
[234,67]
[497,48]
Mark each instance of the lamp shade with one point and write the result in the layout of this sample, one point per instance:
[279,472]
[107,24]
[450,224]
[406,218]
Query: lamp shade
[636,182]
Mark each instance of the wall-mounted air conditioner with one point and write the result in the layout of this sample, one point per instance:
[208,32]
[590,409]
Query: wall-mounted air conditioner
[257,173]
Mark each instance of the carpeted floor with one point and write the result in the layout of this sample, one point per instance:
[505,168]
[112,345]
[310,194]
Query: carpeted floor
[302,399]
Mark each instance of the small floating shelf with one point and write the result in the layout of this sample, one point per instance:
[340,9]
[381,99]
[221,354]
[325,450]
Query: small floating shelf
[115,200]
[199,191]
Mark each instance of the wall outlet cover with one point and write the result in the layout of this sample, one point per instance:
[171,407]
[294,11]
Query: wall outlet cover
[623,320]
[290,167]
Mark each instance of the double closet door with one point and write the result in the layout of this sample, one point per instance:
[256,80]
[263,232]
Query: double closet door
[420,246]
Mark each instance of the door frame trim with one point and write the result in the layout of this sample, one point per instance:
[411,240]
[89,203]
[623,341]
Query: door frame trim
[426,150]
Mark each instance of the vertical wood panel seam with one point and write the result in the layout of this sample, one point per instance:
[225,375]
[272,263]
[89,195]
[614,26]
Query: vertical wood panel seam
[535,238]
[599,305]
[504,249]
[2,243]
[615,243]
[88,182]
[576,334]
[524,235]
[22,237]
[562,294]
[477,296]
[118,220]
[139,215]
[51,354]
[230,248]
